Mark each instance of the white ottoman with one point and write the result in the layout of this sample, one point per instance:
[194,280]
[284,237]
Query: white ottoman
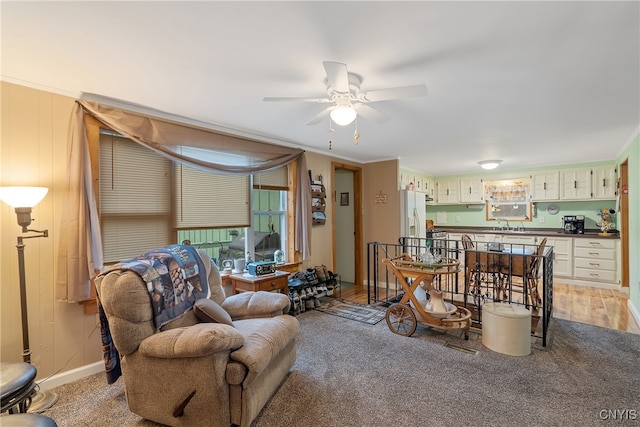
[506,328]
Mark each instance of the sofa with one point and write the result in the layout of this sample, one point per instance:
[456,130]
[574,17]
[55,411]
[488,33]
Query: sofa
[216,365]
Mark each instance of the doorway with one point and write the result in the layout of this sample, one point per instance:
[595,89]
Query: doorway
[347,224]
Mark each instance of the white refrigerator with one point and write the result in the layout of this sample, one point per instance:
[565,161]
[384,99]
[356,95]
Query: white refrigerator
[413,226]
[413,214]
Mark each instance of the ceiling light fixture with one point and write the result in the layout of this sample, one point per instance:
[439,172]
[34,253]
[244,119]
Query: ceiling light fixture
[489,164]
[343,115]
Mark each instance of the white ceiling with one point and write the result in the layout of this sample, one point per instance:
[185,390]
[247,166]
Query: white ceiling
[531,83]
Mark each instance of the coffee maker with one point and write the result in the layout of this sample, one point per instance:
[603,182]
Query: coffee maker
[573,224]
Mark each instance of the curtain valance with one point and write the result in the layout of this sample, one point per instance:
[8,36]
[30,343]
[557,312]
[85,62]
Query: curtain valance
[80,252]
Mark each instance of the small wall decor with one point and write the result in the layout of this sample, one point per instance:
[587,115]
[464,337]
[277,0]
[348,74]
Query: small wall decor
[380,198]
[344,199]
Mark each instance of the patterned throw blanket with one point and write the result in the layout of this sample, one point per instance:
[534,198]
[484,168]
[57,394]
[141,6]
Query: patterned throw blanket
[175,277]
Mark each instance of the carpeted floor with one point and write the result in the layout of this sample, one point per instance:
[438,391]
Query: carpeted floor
[354,374]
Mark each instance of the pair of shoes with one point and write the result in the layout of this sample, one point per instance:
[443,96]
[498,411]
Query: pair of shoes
[321,272]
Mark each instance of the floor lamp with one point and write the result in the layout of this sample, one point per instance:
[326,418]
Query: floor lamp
[22,199]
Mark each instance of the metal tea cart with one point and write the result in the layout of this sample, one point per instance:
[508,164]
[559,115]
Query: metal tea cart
[403,317]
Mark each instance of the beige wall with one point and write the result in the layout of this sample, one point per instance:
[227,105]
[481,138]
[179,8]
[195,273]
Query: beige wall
[381,220]
[33,152]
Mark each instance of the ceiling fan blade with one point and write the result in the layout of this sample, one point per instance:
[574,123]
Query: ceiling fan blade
[337,76]
[285,99]
[320,116]
[393,93]
[371,113]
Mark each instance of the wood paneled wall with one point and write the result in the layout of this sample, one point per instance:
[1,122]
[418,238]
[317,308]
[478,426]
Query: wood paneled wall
[33,151]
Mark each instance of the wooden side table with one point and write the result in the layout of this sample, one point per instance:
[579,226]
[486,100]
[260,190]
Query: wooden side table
[269,282]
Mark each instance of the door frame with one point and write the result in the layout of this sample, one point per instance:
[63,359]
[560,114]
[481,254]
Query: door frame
[357,217]
[623,182]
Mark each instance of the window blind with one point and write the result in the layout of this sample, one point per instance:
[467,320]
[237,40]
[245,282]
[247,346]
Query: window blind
[206,200]
[135,203]
[275,179]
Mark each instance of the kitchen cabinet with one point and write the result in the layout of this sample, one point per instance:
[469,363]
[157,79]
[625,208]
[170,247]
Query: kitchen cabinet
[471,190]
[605,182]
[454,242]
[596,259]
[563,255]
[430,189]
[481,240]
[518,240]
[448,191]
[575,184]
[545,186]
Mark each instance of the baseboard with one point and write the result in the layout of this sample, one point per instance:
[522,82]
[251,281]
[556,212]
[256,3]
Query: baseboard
[635,313]
[72,375]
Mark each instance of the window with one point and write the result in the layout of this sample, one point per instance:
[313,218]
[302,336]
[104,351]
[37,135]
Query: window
[148,201]
[266,234]
[133,213]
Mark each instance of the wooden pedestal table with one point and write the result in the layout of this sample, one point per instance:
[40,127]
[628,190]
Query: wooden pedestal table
[403,319]
[279,281]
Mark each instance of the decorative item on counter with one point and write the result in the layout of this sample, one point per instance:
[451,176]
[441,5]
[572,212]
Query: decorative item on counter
[605,222]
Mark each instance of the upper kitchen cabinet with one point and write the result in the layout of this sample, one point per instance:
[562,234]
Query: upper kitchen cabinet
[430,189]
[605,182]
[448,191]
[545,186]
[575,184]
[471,190]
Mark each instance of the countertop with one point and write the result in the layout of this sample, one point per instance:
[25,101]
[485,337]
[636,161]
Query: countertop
[553,232]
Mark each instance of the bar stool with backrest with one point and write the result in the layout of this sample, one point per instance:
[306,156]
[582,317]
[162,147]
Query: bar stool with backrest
[532,276]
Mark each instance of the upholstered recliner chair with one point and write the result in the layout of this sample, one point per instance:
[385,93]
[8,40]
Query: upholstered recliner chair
[194,372]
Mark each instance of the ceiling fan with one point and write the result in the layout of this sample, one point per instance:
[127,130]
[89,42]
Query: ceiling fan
[346,99]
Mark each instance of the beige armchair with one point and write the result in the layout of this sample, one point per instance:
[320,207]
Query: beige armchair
[194,373]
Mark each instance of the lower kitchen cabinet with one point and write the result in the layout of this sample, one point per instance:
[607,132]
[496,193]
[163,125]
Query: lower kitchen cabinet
[563,255]
[596,259]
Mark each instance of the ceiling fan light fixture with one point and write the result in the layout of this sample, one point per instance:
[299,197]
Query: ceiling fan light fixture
[489,164]
[343,115]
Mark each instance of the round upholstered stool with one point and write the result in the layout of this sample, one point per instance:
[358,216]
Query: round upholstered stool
[506,328]
[17,381]
[27,420]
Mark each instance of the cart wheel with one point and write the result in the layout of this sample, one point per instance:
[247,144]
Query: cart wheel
[401,319]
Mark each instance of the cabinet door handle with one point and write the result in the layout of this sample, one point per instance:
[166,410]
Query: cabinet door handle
[594,253]
[544,186]
[575,184]
[469,190]
[594,274]
[604,182]
[594,243]
[594,263]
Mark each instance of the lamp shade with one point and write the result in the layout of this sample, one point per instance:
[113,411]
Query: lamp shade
[22,197]
[343,115]
[489,164]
